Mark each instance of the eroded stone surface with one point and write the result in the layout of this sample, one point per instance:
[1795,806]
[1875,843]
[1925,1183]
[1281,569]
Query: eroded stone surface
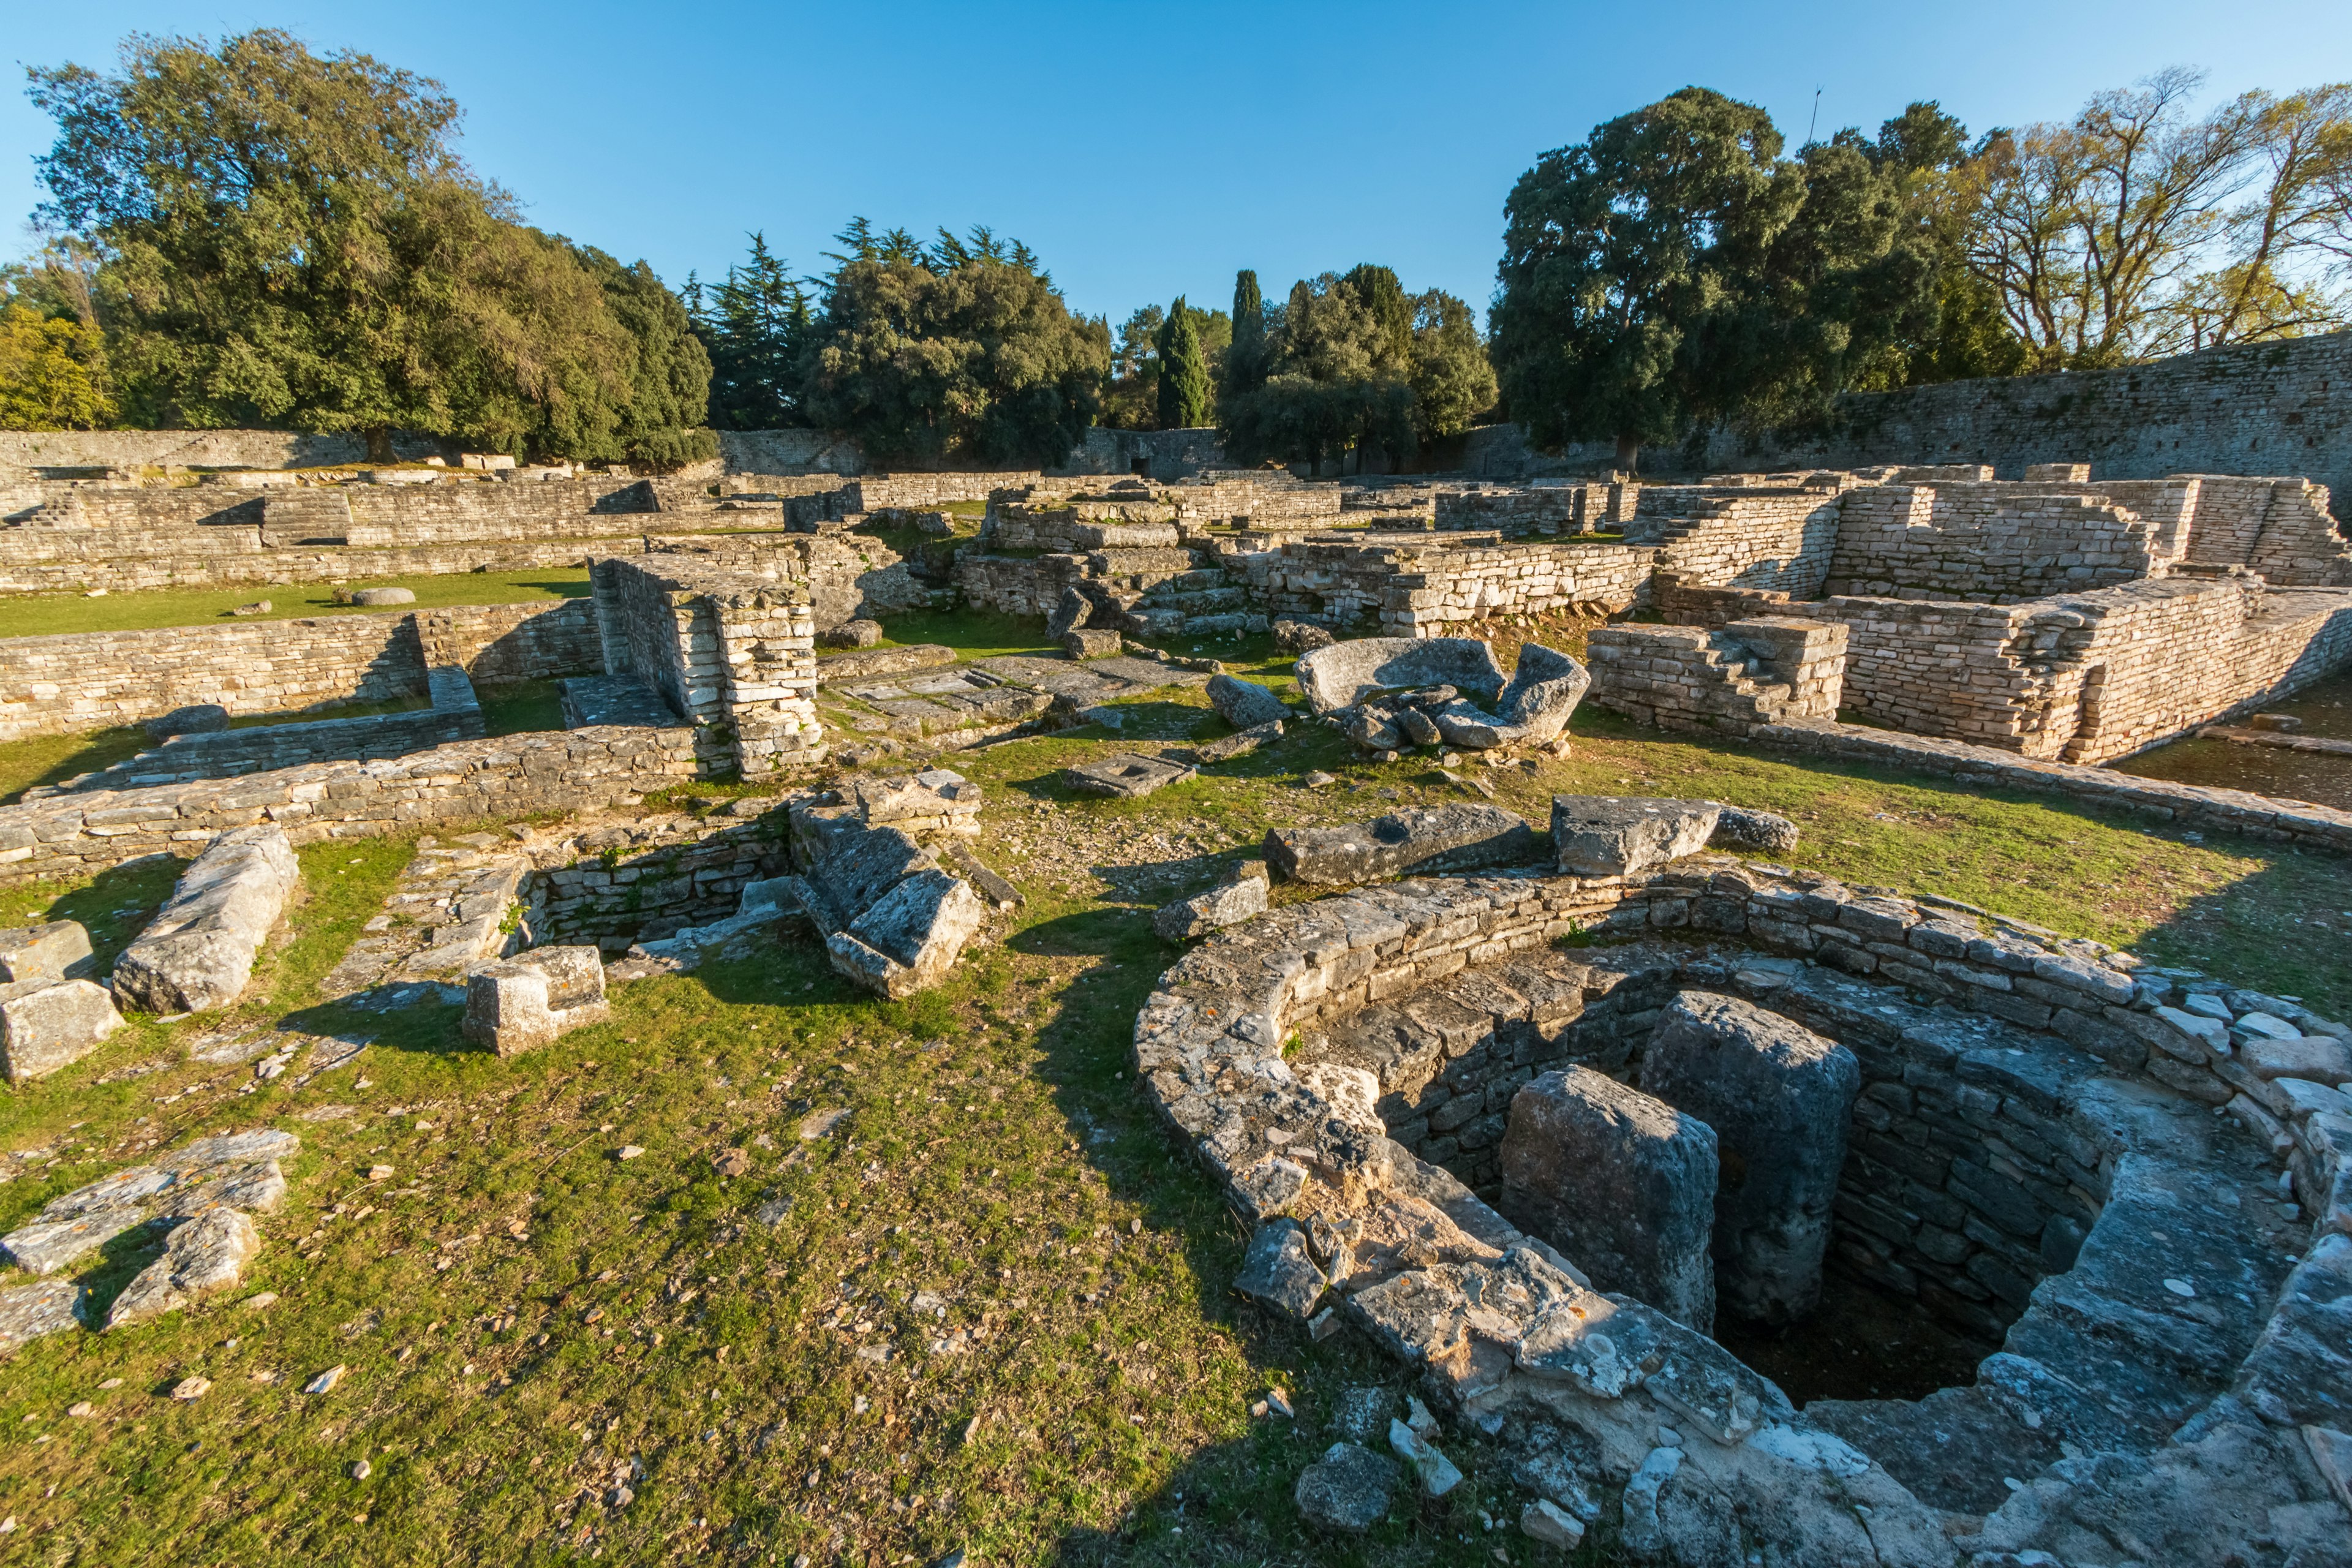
[1447,838]
[522,1003]
[56,949]
[1768,831]
[1347,1491]
[204,1256]
[1620,1181]
[1124,777]
[34,1311]
[1778,1097]
[198,951]
[1612,836]
[1346,673]
[1229,903]
[49,1024]
[1244,704]
[909,938]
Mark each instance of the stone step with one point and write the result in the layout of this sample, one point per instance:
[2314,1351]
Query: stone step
[1207,602]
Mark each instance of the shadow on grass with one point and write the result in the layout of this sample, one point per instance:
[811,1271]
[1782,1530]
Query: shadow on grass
[42,761]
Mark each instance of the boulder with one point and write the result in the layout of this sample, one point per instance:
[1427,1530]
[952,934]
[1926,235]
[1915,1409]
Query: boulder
[1621,1183]
[858,632]
[1070,612]
[1427,839]
[56,951]
[1546,686]
[258,608]
[937,524]
[47,1024]
[909,938]
[1278,1273]
[1242,744]
[1300,637]
[1347,1490]
[1370,728]
[1417,727]
[1779,1098]
[198,951]
[1092,642]
[1228,904]
[1244,704]
[1124,777]
[1346,673]
[2321,1058]
[520,1004]
[1765,831]
[198,718]
[1612,836]
[204,1256]
[376,596]
[36,1310]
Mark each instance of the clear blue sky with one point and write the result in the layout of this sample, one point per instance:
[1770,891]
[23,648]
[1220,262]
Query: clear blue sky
[1145,151]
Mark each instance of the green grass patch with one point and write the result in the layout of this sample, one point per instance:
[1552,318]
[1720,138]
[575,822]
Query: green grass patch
[51,614]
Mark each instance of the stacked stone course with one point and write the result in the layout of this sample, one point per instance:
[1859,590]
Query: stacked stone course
[1766,670]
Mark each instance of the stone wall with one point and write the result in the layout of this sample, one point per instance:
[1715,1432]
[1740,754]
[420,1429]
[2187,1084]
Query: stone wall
[1747,536]
[788,452]
[734,653]
[501,780]
[1429,586]
[1766,670]
[453,716]
[88,680]
[1152,454]
[2087,677]
[1996,542]
[647,897]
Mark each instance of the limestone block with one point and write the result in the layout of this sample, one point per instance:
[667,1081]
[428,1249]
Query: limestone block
[1278,1273]
[1779,1098]
[1611,836]
[518,1004]
[375,596]
[1370,728]
[1300,637]
[1244,704]
[1240,744]
[1545,687]
[196,719]
[1092,642]
[2321,1058]
[36,1310]
[1070,612]
[1124,777]
[938,800]
[47,1024]
[910,938]
[1444,838]
[198,951]
[857,632]
[204,1256]
[1762,830]
[1228,905]
[1346,1491]
[1621,1183]
[1348,672]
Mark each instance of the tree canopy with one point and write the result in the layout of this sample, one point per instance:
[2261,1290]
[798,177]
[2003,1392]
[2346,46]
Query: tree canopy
[1673,269]
[755,323]
[1351,362]
[289,240]
[960,349]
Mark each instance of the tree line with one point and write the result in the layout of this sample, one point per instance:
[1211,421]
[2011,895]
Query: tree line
[250,233]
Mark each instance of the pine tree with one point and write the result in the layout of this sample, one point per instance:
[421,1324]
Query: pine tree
[756,332]
[1183,372]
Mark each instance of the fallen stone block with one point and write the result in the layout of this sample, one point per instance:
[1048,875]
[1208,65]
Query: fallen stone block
[1370,728]
[1278,1273]
[910,938]
[857,632]
[1545,687]
[58,950]
[1229,904]
[1767,831]
[1244,704]
[1347,1490]
[1230,747]
[1611,836]
[1546,1522]
[1444,838]
[196,719]
[1070,612]
[203,1257]
[1123,777]
[938,800]
[49,1024]
[46,1307]
[999,893]
[519,1004]
[864,664]
[1438,1475]
[377,596]
[1779,1098]
[198,951]
[1346,673]
[1621,1183]
[1092,642]
[1418,727]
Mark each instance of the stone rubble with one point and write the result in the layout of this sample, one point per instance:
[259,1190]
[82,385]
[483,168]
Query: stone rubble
[1440,838]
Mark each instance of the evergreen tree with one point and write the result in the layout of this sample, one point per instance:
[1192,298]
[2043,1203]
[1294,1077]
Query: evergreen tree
[1183,372]
[756,325]
[1246,363]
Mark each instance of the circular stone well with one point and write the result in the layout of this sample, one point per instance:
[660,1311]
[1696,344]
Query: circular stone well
[2067,1199]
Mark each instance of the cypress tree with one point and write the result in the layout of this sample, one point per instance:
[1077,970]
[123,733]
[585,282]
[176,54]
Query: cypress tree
[1183,372]
[1245,364]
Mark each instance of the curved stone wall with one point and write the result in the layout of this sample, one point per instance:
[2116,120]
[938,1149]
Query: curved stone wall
[2168,1383]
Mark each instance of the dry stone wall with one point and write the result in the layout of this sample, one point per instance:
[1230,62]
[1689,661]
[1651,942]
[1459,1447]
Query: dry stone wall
[87,680]
[474,781]
[1428,586]
[1766,670]
[2001,544]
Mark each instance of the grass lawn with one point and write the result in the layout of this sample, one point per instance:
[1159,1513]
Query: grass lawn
[988,1309]
[49,615]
